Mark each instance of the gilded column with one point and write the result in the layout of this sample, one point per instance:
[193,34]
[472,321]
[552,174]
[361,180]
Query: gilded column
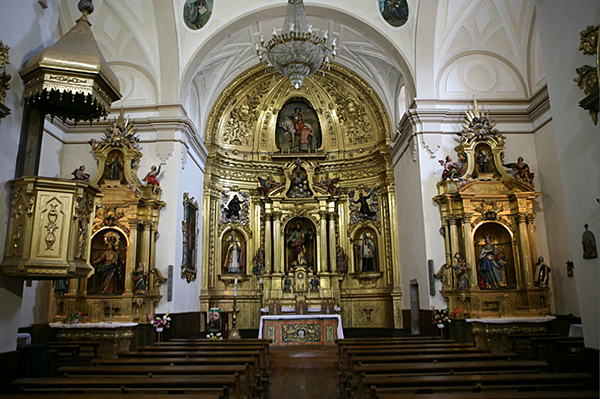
[470,255]
[145,244]
[525,250]
[322,260]
[454,244]
[278,256]
[131,256]
[153,229]
[268,244]
[532,242]
[447,247]
[332,248]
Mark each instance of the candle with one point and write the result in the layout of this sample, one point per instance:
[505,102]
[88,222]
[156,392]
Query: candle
[279,292]
[331,293]
[266,292]
[321,292]
[235,288]
[308,292]
[292,290]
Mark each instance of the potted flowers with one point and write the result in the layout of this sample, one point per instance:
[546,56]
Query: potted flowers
[214,336]
[160,323]
[72,318]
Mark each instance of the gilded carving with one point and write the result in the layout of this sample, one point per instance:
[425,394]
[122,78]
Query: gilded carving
[4,78]
[235,207]
[51,227]
[242,119]
[363,205]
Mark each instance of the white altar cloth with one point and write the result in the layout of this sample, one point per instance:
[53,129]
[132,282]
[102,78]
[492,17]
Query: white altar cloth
[507,320]
[92,325]
[340,329]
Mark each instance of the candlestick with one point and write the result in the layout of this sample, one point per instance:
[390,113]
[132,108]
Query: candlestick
[308,292]
[332,293]
[110,318]
[280,293]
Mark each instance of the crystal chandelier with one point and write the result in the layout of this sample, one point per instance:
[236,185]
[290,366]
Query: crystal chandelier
[296,52]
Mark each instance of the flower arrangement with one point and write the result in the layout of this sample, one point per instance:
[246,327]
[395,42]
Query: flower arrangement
[442,316]
[214,336]
[72,318]
[161,322]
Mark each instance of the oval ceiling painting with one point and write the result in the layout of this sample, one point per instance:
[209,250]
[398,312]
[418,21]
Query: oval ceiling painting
[395,12]
[196,13]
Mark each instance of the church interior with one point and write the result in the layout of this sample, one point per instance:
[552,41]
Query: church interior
[320,198]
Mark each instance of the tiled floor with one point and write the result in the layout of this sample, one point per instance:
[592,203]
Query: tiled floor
[301,372]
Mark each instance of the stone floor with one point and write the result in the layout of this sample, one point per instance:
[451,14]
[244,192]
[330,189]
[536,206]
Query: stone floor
[301,372]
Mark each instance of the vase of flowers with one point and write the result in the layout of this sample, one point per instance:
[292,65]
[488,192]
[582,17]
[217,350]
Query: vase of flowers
[214,336]
[72,318]
[160,323]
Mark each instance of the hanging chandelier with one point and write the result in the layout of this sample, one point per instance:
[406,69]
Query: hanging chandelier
[296,52]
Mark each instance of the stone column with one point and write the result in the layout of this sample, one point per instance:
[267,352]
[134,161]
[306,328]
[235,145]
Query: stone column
[268,244]
[470,256]
[332,248]
[279,253]
[322,261]
[525,275]
[131,256]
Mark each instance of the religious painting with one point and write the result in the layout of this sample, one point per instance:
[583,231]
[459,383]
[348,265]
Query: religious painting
[298,128]
[589,244]
[395,12]
[300,247]
[235,207]
[233,250]
[494,256]
[196,13]
[189,226]
[365,251]
[108,256]
[363,205]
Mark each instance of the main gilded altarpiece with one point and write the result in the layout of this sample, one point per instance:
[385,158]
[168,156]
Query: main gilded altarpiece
[299,208]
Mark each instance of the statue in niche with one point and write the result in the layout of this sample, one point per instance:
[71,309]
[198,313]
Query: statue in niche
[366,252]
[483,160]
[298,128]
[522,171]
[329,184]
[152,178]
[234,259]
[491,263]
[542,273]
[115,168]
[298,240]
[79,174]
[299,184]
[341,260]
[314,284]
[140,278]
[461,270]
[110,267]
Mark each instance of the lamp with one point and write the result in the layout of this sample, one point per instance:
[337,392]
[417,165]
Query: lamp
[296,52]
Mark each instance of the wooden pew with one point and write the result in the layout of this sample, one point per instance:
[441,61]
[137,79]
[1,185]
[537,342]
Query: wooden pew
[569,394]
[378,385]
[361,371]
[207,395]
[151,371]
[220,384]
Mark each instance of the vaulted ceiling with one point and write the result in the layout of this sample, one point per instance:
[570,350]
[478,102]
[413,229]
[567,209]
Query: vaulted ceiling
[448,49]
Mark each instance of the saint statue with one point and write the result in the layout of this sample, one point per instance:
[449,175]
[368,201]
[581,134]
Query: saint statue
[259,262]
[364,204]
[79,174]
[139,279]
[341,260]
[234,260]
[298,241]
[542,273]
[233,208]
[115,168]
[461,270]
[366,251]
[490,266]
[109,269]
[483,160]
[151,178]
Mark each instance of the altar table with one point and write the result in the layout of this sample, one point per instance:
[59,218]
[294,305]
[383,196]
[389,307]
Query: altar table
[113,337]
[313,329]
[495,333]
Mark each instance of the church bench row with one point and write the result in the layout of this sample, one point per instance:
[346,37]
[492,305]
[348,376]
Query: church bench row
[263,348]
[152,371]
[195,395]
[200,384]
[378,385]
[567,394]
[361,371]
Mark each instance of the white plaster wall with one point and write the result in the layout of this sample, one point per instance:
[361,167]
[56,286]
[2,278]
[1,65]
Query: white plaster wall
[411,234]
[26,28]
[555,217]
[577,142]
